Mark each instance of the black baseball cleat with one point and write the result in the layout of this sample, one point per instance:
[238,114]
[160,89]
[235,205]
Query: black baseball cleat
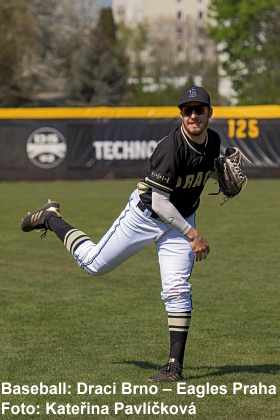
[171,372]
[37,219]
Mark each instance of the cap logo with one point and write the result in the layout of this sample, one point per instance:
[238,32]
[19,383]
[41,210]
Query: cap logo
[192,93]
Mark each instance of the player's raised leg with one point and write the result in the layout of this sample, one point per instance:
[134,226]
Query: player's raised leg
[130,232]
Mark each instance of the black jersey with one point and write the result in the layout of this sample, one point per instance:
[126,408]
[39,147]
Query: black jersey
[180,167]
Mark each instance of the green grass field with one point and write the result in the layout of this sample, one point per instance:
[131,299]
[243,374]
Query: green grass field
[59,324]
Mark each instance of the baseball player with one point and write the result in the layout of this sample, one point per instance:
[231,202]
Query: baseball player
[160,210]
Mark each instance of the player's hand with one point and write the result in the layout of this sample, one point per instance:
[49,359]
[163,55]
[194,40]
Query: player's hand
[199,245]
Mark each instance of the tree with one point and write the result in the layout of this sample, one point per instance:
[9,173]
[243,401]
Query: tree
[37,39]
[248,34]
[18,52]
[59,37]
[134,43]
[102,65]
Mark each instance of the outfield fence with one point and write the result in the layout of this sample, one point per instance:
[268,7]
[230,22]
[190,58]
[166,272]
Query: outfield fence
[105,142]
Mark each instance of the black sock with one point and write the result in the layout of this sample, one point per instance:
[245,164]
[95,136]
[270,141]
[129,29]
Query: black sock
[58,226]
[71,237]
[178,324]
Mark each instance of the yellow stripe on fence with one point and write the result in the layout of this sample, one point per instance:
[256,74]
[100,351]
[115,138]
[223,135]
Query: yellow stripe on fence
[258,111]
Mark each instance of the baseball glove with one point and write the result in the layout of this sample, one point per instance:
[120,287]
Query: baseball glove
[229,172]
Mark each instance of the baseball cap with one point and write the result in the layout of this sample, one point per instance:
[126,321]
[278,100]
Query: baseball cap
[195,94]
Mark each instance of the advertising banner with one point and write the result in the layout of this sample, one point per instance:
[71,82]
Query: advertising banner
[92,143]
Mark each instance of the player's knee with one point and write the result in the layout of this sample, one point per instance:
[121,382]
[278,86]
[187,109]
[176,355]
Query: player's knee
[93,267]
[94,270]
[92,263]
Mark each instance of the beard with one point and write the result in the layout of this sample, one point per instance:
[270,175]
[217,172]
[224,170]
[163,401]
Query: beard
[195,128]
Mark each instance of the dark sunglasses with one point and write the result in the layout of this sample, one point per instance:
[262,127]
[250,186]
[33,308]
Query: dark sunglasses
[198,109]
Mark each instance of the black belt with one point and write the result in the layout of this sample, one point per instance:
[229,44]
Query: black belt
[143,207]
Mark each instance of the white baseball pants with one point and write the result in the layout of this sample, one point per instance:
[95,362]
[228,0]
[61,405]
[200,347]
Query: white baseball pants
[130,232]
